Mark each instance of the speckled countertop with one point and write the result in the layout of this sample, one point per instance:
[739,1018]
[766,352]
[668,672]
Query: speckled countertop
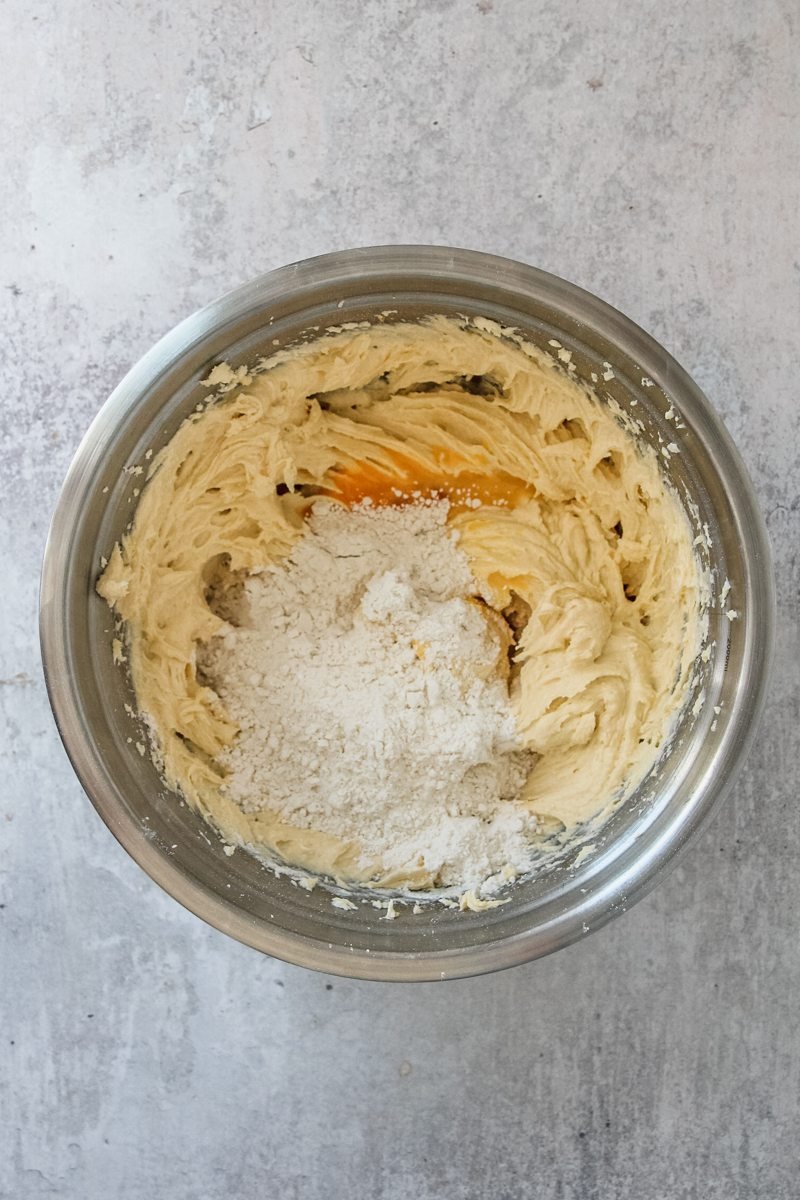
[157,155]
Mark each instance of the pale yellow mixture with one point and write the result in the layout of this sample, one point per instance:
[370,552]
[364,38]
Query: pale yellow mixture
[575,531]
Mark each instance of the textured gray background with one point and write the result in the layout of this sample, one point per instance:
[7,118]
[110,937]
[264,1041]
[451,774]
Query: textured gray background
[155,156]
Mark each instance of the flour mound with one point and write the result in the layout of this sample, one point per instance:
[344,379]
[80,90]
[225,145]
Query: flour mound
[369,684]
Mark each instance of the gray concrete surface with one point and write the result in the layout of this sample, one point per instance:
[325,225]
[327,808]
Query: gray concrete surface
[155,155]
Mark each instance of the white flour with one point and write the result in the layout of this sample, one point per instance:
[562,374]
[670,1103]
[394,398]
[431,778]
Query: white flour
[371,697]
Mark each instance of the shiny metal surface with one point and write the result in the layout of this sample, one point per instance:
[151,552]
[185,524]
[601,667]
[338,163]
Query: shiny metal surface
[172,843]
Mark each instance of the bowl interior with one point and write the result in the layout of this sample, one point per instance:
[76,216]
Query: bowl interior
[573,890]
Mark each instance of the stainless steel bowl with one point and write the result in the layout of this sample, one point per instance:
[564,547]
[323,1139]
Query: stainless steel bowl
[578,892]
